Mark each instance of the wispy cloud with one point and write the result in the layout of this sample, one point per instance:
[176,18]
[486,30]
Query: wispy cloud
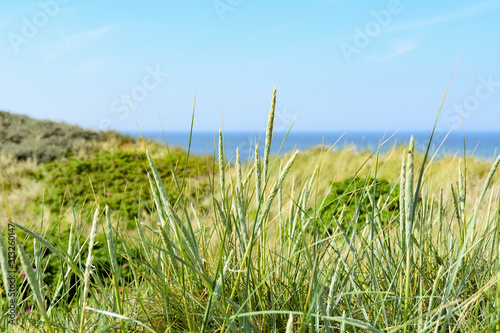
[459,14]
[452,16]
[69,43]
[67,10]
[396,50]
[90,66]
[6,20]
[85,37]
[400,49]
[49,56]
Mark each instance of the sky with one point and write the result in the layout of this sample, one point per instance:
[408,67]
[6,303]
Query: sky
[336,64]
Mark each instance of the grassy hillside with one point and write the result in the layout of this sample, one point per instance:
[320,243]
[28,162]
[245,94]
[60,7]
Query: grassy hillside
[26,138]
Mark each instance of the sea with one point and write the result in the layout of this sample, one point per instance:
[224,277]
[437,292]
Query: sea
[484,145]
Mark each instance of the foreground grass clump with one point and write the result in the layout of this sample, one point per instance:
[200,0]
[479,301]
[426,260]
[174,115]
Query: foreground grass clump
[261,261]
[51,270]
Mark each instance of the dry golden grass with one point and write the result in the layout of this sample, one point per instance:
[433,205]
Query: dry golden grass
[335,165]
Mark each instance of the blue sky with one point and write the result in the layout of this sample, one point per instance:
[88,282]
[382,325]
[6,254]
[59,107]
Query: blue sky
[337,65]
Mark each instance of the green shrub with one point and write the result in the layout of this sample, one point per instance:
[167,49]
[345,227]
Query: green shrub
[352,194]
[113,173]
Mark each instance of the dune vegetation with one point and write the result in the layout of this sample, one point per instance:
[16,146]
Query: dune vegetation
[119,235]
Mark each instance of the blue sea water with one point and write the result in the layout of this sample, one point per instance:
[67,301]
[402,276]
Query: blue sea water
[484,145]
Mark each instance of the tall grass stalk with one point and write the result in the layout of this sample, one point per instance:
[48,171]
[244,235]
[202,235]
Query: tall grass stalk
[408,228]
[402,204]
[88,268]
[497,301]
[269,135]
[108,229]
[34,284]
[222,165]
[71,246]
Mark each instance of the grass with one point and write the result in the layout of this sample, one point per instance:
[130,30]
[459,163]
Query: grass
[263,256]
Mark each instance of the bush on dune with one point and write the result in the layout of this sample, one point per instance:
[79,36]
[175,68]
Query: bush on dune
[351,197]
[118,179]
